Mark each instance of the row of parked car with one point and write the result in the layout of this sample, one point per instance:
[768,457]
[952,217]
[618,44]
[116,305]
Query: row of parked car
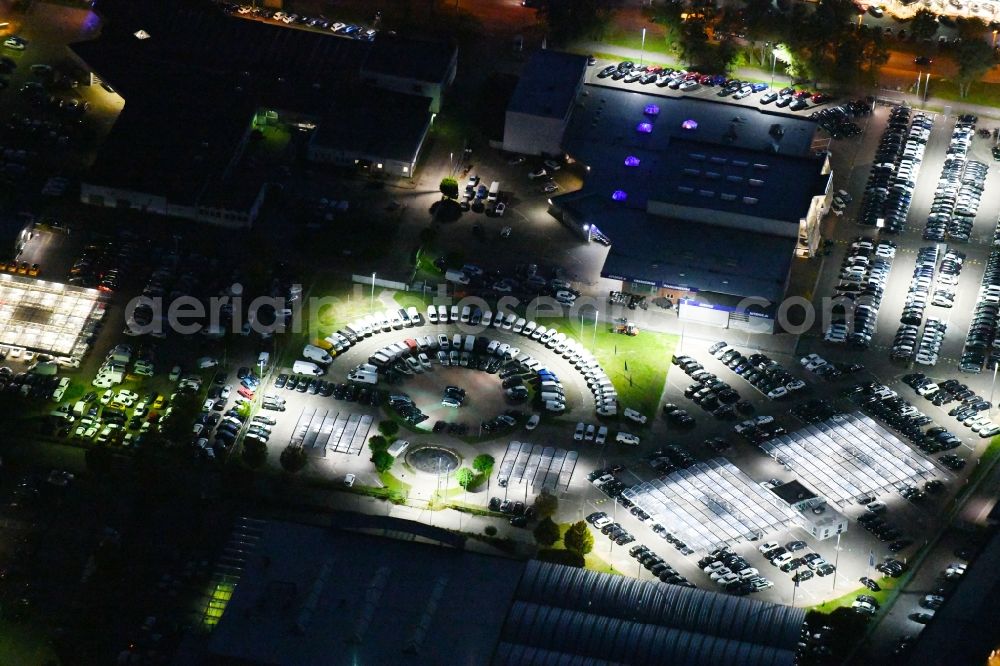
[785,558]
[982,336]
[761,371]
[972,410]
[839,120]
[958,191]
[338,28]
[610,528]
[893,175]
[864,273]
[733,573]
[709,392]
[657,566]
[904,345]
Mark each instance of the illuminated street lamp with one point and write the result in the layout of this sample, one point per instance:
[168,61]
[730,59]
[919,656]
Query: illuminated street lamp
[372,306]
[642,50]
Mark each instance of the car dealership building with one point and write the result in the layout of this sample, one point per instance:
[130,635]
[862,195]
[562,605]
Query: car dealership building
[705,203]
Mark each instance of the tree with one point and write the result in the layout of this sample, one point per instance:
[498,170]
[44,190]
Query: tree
[546,504]
[572,19]
[923,25]
[388,428]
[254,452]
[970,29]
[244,409]
[464,477]
[377,443]
[293,459]
[578,538]
[546,532]
[449,187]
[176,428]
[382,461]
[974,58]
[483,463]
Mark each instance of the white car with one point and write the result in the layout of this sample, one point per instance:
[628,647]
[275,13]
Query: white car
[15,43]
[627,438]
[589,435]
[776,393]
[578,433]
[500,208]
[602,435]
[810,358]
[532,422]
[541,173]
[633,415]
[349,479]
[550,188]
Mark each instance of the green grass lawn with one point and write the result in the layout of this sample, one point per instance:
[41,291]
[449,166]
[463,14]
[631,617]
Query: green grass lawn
[986,94]
[631,39]
[24,644]
[887,585]
[647,357]
[989,455]
[392,483]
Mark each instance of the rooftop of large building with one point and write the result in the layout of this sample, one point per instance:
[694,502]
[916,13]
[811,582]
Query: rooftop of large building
[696,155]
[684,255]
[310,595]
[376,122]
[548,84]
[410,58]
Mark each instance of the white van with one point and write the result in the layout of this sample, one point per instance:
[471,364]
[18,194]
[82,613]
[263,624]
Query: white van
[263,359]
[454,314]
[494,191]
[508,322]
[519,324]
[466,313]
[306,368]
[317,354]
[398,448]
[432,314]
[207,362]
[487,318]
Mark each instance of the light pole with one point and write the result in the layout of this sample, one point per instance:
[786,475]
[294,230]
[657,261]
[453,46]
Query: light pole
[993,385]
[836,560]
[371,307]
[774,63]
[642,51]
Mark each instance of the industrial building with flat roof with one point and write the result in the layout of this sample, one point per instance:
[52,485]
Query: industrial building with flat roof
[539,111]
[703,202]
[199,81]
[309,595]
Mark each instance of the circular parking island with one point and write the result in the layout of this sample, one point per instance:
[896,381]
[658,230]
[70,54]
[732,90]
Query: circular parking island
[433,460]
[484,396]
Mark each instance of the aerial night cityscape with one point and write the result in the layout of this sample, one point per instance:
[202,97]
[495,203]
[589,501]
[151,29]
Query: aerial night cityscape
[499,332]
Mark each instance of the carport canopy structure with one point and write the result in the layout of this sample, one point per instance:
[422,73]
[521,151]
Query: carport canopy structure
[849,456]
[541,467]
[711,504]
[320,430]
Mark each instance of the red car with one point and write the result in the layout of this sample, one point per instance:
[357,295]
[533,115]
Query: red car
[245,392]
[803,94]
[820,98]
[705,79]
[653,69]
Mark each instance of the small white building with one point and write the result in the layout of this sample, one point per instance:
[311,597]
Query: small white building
[540,108]
[816,516]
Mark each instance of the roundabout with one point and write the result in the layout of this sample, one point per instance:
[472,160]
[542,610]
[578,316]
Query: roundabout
[484,396]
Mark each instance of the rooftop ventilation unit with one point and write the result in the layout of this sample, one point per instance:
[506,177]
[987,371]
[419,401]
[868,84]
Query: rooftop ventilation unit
[697,156]
[691,172]
[734,179]
[685,189]
[713,175]
[756,182]
[762,167]
[749,200]
[740,163]
[726,196]
[706,193]
[718,160]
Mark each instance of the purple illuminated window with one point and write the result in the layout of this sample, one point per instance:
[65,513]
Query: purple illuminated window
[690,124]
[631,160]
[619,195]
[644,128]
[652,110]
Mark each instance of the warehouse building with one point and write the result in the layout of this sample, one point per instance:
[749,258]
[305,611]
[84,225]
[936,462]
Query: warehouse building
[307,595]
[539,111]
[412,67]
[200,86]
[704,203]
